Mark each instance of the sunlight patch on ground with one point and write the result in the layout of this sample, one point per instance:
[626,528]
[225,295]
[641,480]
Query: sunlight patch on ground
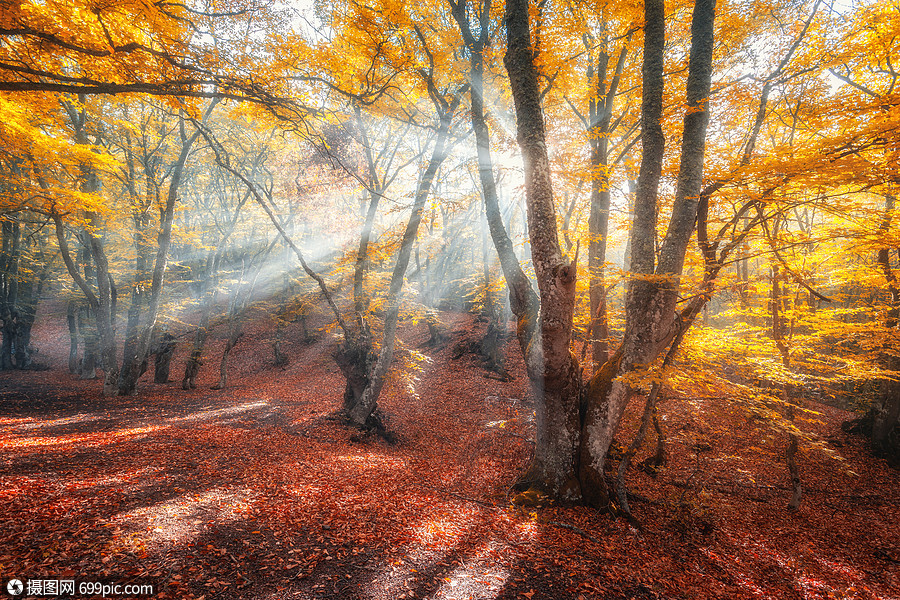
[85,440]
[730,567]
[529,529]
[445,530]
[443,558]
[843,569]
[303,490]
[82,418]
[130,480]
[14,441]
[371,459]
[181,519]
[478,577]
[219,412]
[810,585]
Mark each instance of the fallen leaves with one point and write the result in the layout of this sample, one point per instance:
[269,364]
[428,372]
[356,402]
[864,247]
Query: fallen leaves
[211,496]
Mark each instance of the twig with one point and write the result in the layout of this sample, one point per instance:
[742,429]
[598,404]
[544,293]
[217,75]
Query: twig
[467,499]
[577,530]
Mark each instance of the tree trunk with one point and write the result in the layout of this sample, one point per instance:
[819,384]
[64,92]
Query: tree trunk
[778,335]
[131,359]
[164,348]
[651,301]
[29,296]
[886,412]
[362,414]
[84,313]
[72,321]
[9,287]
[523,300]
[492,343]
[102,302]
[886,418]
[104,314]
[195,359]
[127,384]
[552,368]
[233,339]
[88,329]
[376,191]
[600,115]
[240,301]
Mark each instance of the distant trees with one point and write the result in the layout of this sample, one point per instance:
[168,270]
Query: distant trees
[25,265]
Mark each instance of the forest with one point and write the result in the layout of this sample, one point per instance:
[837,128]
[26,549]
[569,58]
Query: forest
[485,299]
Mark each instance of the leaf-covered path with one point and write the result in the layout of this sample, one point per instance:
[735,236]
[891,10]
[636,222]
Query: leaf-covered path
[256,492]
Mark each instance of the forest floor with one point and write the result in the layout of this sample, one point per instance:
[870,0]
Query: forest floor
[256,491]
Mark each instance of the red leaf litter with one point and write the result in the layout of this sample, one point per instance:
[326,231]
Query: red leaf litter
[257,491]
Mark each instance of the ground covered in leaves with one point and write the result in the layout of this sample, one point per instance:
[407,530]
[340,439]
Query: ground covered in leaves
[257,492]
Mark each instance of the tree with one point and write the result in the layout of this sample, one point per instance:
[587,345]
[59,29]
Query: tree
[141,338]
[652,294]
[24,268]
[523,300]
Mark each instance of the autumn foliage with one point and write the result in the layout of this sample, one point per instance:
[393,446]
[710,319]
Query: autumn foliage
[452,299]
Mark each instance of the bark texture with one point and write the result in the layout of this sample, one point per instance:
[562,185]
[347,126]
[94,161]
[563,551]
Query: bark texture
[552,368]
[653,291]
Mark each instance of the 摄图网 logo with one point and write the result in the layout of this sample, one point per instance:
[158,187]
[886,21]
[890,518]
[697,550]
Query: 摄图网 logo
[14,587]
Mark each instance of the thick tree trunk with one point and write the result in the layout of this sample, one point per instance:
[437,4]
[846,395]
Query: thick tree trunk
[356,358]
[29,296]
[7,330]
[553,370]
[163,348]
[886,418]
[607,399]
